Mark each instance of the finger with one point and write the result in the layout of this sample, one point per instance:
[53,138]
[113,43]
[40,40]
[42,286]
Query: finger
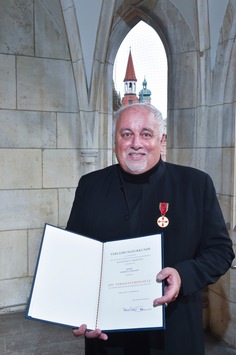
[163,274]
[160,301]
[80,331]
[103,336]
[168,298]
[97,333]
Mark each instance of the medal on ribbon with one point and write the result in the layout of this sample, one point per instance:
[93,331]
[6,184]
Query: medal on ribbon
[163,221]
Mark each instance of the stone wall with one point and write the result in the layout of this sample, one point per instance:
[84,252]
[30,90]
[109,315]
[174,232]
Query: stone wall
[38,120]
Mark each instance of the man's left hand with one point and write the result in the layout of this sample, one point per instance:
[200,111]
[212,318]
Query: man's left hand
[172,286]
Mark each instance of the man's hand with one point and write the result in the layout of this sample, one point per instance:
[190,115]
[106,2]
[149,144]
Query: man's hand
[172,286]
[97,333]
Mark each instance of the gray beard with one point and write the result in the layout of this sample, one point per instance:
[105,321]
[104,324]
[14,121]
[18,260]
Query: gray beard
[136,168]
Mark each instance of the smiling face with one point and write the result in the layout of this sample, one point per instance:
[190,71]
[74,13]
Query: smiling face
[137,140]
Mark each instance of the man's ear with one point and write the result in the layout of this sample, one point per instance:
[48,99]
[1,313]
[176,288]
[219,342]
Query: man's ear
[163,138]
[162,141]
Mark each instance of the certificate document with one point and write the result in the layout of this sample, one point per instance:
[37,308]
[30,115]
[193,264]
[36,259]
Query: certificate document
[110,286]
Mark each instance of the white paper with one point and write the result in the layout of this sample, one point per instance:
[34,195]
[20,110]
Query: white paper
[66,288]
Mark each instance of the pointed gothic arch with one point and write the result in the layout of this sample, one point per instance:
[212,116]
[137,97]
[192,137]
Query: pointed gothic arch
[180,55]
[144,48]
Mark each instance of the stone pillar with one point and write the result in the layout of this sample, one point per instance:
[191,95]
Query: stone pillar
[89,160]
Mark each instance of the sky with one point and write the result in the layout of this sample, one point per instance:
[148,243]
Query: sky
[149,59]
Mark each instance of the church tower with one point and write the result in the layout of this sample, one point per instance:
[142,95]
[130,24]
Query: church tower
[130,83]
[145,93]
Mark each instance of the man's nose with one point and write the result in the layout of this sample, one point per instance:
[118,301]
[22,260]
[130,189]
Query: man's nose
[136,142]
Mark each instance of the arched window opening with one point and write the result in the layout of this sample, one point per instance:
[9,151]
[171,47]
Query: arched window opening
[141,65]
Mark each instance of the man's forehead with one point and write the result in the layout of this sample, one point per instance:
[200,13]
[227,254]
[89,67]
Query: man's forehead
[149,129]
[139,120]
[135,111]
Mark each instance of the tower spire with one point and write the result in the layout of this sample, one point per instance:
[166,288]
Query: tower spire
[130,73]
[130,83]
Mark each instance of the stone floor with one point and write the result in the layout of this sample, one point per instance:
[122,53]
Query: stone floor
[19,336]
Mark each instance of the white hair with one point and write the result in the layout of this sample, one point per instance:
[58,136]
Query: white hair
[142,107]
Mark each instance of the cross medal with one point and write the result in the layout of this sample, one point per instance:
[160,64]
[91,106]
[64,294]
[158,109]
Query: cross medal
[163,220]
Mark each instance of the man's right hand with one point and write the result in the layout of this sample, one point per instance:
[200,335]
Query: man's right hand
[97,333]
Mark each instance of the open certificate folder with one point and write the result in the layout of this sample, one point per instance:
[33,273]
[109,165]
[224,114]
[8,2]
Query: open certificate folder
[110,286]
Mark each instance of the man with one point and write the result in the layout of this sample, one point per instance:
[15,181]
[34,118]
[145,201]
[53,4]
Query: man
[126,200]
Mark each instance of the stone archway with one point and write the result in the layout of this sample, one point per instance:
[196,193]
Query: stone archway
[221,124]
[191,108]
[182,68]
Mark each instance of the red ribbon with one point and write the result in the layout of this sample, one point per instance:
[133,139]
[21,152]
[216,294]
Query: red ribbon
[163,207]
